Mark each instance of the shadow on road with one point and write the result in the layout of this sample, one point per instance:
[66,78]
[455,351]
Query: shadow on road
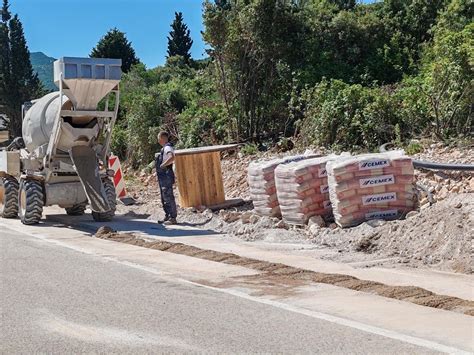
[129,225]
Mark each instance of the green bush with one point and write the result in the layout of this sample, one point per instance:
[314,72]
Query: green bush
[249,149]
[349,116]
[448,76]
[119,145]
[414,148]
[202,125]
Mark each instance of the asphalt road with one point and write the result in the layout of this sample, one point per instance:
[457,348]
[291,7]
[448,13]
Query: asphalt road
[57,300]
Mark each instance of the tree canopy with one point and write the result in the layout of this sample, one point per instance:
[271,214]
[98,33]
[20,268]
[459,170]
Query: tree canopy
[179,39]
[18,82]
[115,45]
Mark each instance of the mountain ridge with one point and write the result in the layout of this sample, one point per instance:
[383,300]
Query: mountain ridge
[43,66]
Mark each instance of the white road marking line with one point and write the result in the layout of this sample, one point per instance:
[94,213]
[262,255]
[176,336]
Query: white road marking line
[318,315]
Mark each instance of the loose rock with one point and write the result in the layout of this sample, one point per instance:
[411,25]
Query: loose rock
[281,224]
[412,214]
[245,217]
[254,219]
[376,223]
[317,220]
[314,230]
[229,216]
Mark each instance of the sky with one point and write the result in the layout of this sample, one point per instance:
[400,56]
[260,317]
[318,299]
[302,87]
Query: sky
[71,28]
[61,28]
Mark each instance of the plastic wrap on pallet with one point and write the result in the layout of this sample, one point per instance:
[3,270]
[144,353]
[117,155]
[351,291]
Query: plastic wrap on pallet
[302,189]
[371,186]
[261,180]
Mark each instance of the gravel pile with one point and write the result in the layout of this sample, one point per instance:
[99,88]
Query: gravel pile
[440,184]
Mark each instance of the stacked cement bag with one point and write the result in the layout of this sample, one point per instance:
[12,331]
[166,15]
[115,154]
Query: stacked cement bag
[261,179]
[370,186]
[302,189]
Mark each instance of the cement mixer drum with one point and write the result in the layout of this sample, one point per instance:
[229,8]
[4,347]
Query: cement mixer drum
[39,120]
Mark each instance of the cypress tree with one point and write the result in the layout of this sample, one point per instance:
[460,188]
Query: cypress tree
[179,40]
[18,82]
[5,12]
[115,45]
[4,54]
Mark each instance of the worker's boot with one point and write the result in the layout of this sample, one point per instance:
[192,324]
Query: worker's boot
[170,222]
[167,218]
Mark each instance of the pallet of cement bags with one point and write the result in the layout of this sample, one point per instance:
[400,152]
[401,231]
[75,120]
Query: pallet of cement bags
[261,180]
[371,186]
[302,190]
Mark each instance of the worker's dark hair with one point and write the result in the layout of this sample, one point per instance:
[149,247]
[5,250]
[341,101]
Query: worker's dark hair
[163,134]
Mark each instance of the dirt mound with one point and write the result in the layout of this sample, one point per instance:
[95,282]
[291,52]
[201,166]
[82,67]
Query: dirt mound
[287,275]
[438,236]
[104,231]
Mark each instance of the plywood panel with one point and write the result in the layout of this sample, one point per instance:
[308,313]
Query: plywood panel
[199,179]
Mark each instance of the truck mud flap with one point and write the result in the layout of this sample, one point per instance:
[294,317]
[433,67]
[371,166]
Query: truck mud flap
[85,161]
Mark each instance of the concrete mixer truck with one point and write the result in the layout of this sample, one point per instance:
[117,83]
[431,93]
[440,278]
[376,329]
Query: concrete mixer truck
[62,157]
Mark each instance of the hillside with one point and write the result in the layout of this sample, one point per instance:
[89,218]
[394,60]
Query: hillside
[43,65]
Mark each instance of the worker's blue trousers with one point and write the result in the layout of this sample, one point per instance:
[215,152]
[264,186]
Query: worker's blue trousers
[166,181]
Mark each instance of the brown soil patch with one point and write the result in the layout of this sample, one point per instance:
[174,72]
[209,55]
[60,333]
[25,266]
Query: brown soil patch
[288,276]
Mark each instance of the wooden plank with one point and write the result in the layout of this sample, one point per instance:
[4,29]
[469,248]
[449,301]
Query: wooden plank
[4,136]
[213,179]
[202,166]
[180,163]
[219,183]
[214,148]
[236,202]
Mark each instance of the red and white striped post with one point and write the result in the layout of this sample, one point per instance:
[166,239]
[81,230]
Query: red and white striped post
[119,183]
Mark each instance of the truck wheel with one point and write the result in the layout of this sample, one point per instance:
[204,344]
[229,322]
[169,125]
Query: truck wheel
[76,210]
[31,201]
[8,197]
[111,198]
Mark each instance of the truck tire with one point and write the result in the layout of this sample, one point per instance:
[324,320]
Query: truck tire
[8,197]
[76,210]
[112,200]
[31,201]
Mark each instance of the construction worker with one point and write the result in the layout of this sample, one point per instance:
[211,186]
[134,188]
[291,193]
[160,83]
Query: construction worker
[165,174]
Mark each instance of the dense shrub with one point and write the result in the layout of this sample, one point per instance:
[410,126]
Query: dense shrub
[448,78]
[349,116]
